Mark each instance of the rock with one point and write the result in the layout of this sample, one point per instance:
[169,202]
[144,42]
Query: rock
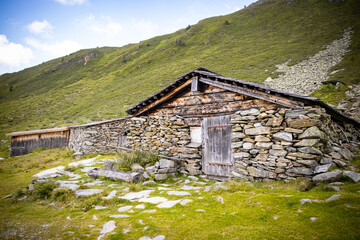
[160,176]
[178,193]
[307,143]
[109,164]
[275,121]
[304,156]
[140,206]
[151,182]
[325,160]
[149,211]
[352,175]
[340,163]
[328,177]
[295,113]
[241,155]
[107,228]
[346,153]
[154,200]
[261,157]
[165,163]
[263,145]
[193,178]
[146,175]
[136,195]
[248,145]
[135,167]
[68,184]
[50,173]
[168,204]
[302,123]
[283,136]
[312,133]
[84,163]
[332,198]
[255,172]
[124,208]
[332,188]
[186,187]
[119,216]
[257,131]
[306,200]
[310,150]
[322,168]
[279,153]
[262,139]
[313,219]
[309,163]
[87,192]
[115,175]
[220,199]
[207,189]
[300,171]
[31,187]
[185,201]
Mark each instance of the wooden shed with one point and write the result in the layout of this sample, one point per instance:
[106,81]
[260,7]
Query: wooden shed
[207,100]
[23,142]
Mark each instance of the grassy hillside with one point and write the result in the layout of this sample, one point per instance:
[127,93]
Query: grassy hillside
[246,44]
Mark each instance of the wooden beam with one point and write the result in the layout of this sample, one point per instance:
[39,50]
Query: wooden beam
[164,98]
[285,102]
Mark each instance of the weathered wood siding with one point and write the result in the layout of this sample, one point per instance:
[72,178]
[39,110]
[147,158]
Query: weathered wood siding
[210,101]
[21,145]
[217,156]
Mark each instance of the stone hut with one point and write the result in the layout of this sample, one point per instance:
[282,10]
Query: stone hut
[225,127]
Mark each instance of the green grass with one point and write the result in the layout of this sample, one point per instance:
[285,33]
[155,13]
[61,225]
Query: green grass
[248,212]
[64,92]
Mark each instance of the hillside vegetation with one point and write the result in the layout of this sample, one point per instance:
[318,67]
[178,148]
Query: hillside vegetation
[102,83]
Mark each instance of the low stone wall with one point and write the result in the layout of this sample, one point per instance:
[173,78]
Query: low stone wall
[285,144]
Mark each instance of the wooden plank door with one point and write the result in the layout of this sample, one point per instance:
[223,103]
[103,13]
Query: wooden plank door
[217,157]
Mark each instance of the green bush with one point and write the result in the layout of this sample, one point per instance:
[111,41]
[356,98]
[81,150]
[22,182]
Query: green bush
[126,159]
[43,190]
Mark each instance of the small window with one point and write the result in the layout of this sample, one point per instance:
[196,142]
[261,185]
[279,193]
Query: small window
[195,134]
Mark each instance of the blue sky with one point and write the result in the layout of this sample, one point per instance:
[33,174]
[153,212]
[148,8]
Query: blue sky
[34,31]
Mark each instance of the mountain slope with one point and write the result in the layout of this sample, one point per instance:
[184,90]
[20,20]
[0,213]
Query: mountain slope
[102,83]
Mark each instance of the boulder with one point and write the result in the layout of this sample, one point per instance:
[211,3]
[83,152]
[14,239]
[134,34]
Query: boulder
[135,167]
[160,176]
[328,177]
[346,153]
[283,136]
[352,175]
[312,133]
[323,168]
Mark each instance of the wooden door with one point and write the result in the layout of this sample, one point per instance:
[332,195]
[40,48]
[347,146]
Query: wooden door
[217,157]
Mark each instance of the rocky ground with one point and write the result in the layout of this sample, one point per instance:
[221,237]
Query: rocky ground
[306,76]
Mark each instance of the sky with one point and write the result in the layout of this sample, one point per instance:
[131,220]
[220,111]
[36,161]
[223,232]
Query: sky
[35,31]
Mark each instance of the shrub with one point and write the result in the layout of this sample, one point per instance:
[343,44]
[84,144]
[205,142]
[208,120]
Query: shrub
[126,159]
[43,190]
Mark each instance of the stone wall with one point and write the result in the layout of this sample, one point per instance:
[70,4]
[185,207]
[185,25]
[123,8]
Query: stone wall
[285,144]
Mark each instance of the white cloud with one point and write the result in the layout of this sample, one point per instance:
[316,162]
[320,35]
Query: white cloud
[71,2]
[13,54]
[56,49]
[43,28]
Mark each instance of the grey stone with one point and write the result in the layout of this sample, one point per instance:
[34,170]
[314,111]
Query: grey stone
[283,136]
[346,153]
[309,163]
[306,200]
[151,182]
[160,176]
[279,153]
[258,131]
[68,184]
[328,177]
[107,228]
[220,199]
[300,171]
[136,195]
[310,150]
[322,168]
[168,204]
[109,164]
[241,155]
[332,198]
[124,208]
[255,172]
[248,145]
[325,160]
[193,178]
[165,163]
[340,163]
[154,200]
[307,143]
[186,187]
[312,133]
[178,193]
[263,145]
[87,192]
[84,163]
[50,173]
[295,113]
[352,175]
[119,216]
[313,219]
[146,175]
[135,167]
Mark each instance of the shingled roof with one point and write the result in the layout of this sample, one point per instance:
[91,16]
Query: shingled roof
[203,73]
